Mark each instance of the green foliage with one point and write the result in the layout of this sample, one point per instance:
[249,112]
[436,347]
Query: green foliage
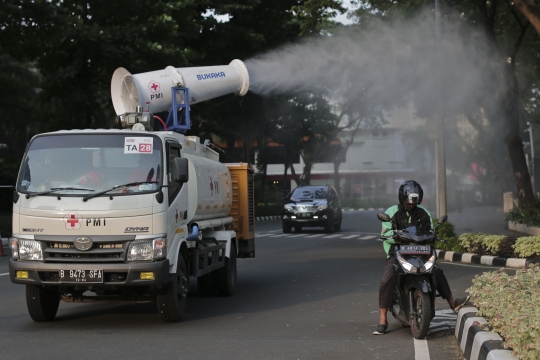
[523,216]
[495,245]
[446,232]
[510,305]
[268,210]
[528,246]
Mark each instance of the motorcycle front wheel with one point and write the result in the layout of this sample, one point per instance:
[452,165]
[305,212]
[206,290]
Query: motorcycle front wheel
[422,307]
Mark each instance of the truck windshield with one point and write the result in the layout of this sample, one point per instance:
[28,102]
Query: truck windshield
[82,164]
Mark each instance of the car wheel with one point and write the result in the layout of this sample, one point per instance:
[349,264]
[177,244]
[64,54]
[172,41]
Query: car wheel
[286,229]
[337,227]
[329,227]
[297,228]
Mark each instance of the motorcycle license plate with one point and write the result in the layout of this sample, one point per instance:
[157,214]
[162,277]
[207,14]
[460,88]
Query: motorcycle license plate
[81,276]
[414,249]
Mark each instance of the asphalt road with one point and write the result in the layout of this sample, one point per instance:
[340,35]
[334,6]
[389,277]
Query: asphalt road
[308,295]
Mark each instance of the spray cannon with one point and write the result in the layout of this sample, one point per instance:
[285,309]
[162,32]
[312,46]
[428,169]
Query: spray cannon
[137,97]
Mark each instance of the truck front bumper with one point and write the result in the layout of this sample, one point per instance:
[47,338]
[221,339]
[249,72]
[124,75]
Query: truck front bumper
[121,274]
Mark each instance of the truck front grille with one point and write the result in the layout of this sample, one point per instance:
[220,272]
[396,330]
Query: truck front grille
[104,249]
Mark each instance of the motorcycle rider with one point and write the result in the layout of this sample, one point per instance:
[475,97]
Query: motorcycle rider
[408,212]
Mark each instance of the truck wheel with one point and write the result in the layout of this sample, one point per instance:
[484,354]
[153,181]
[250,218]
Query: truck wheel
[173,297]
[226,276]
[207,284]
[42,302]
[337,227]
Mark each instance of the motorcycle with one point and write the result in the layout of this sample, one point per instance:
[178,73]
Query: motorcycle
[415,276]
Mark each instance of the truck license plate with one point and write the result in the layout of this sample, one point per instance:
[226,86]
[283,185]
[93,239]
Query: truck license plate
[81,276]
[414,249]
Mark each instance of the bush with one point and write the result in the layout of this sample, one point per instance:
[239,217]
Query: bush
[268,210]
[527,246]
[485,244]
[446,232]
[472,243]
[510,305]
[526,217]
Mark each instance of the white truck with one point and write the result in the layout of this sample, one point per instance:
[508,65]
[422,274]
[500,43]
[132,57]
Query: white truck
[130,214]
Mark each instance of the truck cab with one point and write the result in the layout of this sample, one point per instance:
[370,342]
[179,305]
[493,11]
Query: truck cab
[125,215]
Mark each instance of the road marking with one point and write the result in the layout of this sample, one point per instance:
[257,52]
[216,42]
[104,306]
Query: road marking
[421,350]
[350,236]
[316,235]
[262,235]
[278,235]
[297,235]
[4,274]
[367,237]
[273,230]
[332,236]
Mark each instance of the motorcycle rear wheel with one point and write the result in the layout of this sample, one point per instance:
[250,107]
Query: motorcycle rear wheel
[420,322]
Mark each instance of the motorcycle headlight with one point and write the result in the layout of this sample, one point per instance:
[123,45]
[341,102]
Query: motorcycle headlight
[288,208]
[22,249]
[406,265]
[147,250]
[322,207]
[428,265]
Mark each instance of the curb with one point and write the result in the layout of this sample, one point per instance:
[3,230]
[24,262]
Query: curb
[452,256]
[278,217]
[477,343]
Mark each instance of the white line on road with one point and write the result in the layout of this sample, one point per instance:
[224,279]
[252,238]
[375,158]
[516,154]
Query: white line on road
[4,274]
[421,350]
[278,235]
[297,235]
[367,237]
[332,236]
[350,236]
[316,235]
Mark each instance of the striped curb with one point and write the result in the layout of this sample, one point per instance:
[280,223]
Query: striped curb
[277,217]
[475,342]
[452,256]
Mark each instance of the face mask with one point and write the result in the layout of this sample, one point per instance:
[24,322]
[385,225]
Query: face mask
[409,207]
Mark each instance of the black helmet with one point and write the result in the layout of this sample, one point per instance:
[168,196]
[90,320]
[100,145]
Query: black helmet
[410,192]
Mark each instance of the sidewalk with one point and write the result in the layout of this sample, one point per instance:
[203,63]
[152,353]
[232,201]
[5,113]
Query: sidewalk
[485,219]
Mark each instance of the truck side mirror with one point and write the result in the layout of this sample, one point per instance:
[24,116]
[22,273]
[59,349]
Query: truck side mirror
[383,217]
[180,170]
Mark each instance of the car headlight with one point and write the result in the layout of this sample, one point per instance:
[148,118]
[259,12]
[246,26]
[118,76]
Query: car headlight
[147,250]
[288,208]
[428,265]
[22,249]
[406,265]
[322,207]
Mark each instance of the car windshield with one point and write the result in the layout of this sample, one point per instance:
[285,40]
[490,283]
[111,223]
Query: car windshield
[308,193]
[73,164]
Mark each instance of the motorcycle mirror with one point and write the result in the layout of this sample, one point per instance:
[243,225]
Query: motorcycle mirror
[383,217]
[443,219]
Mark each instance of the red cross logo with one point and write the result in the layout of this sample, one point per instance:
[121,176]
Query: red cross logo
[154,86]
[73,221]
[176,215]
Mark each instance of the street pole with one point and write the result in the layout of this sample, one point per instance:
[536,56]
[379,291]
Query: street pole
[440,176]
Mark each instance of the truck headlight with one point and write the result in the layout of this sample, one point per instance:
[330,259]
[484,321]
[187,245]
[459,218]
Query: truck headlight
[22,249]
[146,250]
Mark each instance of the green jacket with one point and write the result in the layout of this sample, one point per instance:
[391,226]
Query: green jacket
[401,219]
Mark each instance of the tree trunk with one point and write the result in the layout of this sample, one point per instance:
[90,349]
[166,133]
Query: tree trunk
[529,9]
[525,194]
